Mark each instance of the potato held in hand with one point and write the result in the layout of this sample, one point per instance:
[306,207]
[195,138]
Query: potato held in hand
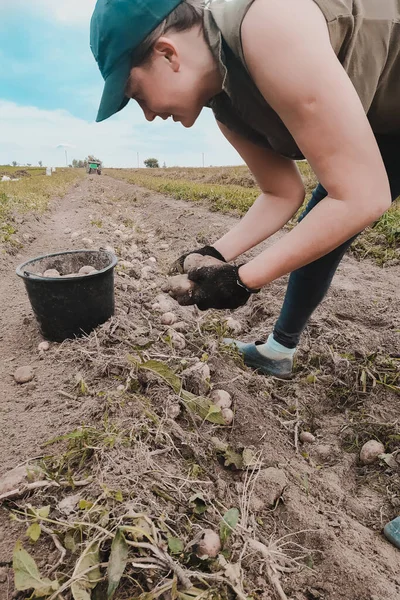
[180,288]
[193,261]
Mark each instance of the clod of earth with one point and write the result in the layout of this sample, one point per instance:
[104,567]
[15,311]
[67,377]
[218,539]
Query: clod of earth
[87,242]
[177,339]
[270,485]
[209,545]
[43,346]
[24,374]
[306,437]
[75,235]
[147,273]
[180,326]
[168,318]
[193,261]
[51,273]
[370,452]
[221,398]
[67,231]
[196,378]
[19,477]
[227,415]
[87,269]
[165,303]
[234,325]
[69,504]
[151,262]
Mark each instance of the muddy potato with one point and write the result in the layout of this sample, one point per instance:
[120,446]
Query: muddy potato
[51,273]
[227,415]
[306,437]
[86,270]
[210,544]
[179,286]
[193,261]
[168,318]
[43,346]
[370,451]
[221,398]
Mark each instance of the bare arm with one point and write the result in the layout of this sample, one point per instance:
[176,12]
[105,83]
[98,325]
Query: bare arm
[306,85]
[282,194]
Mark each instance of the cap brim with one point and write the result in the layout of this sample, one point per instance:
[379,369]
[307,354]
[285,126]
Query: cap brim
[113,98]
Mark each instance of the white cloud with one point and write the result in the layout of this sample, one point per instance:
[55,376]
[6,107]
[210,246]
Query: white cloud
[75,12]
[29,134]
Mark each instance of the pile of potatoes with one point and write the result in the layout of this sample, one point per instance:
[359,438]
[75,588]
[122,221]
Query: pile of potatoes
[85,270]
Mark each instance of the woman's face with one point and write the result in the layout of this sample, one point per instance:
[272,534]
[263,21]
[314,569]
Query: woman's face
[169,84]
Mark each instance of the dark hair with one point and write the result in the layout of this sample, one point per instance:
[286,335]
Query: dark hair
[186,15]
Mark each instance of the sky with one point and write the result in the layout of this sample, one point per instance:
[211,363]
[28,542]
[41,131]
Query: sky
[50,88]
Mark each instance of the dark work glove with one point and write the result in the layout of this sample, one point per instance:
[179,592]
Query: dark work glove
[177,266]
[218,287]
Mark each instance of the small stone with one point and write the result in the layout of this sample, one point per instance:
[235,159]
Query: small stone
[28,237]
[3,574]
[168,318]
[173,411]
[270,485]
[43,346]
[67,231]
[163,246]
[110,249]
[306,437]
[69,504]
[87,242]
[121,388]
[75,235]
[370,451]
[234,325]
[24,374]
[51,273]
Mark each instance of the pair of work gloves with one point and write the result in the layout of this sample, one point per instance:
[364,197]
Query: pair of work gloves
[213,286]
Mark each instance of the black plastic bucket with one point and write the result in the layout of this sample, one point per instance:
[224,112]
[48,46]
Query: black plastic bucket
[68,307]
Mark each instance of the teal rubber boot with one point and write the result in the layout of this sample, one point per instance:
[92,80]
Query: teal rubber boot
[392,532]
[269,362]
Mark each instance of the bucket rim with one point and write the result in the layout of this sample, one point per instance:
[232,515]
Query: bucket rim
[26,275]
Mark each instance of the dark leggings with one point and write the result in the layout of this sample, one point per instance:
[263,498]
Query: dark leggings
[308,285]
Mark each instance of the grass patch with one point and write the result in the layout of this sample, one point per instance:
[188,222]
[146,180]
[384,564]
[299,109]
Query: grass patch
[31,193]
[233,189]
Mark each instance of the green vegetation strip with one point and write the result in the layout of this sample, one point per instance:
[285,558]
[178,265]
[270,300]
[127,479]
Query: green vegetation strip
[223,198]
[229,189]
[31,193]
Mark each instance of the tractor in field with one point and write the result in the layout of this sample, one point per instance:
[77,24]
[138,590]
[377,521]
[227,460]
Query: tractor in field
[94,166]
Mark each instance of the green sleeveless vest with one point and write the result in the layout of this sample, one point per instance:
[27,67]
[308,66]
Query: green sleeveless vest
[365,35]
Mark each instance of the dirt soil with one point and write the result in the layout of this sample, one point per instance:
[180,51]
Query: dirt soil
[343,391]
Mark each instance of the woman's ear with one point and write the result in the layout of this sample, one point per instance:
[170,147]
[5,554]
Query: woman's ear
[166,48]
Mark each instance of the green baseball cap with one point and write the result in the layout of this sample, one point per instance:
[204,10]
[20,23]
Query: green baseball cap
[116,29]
